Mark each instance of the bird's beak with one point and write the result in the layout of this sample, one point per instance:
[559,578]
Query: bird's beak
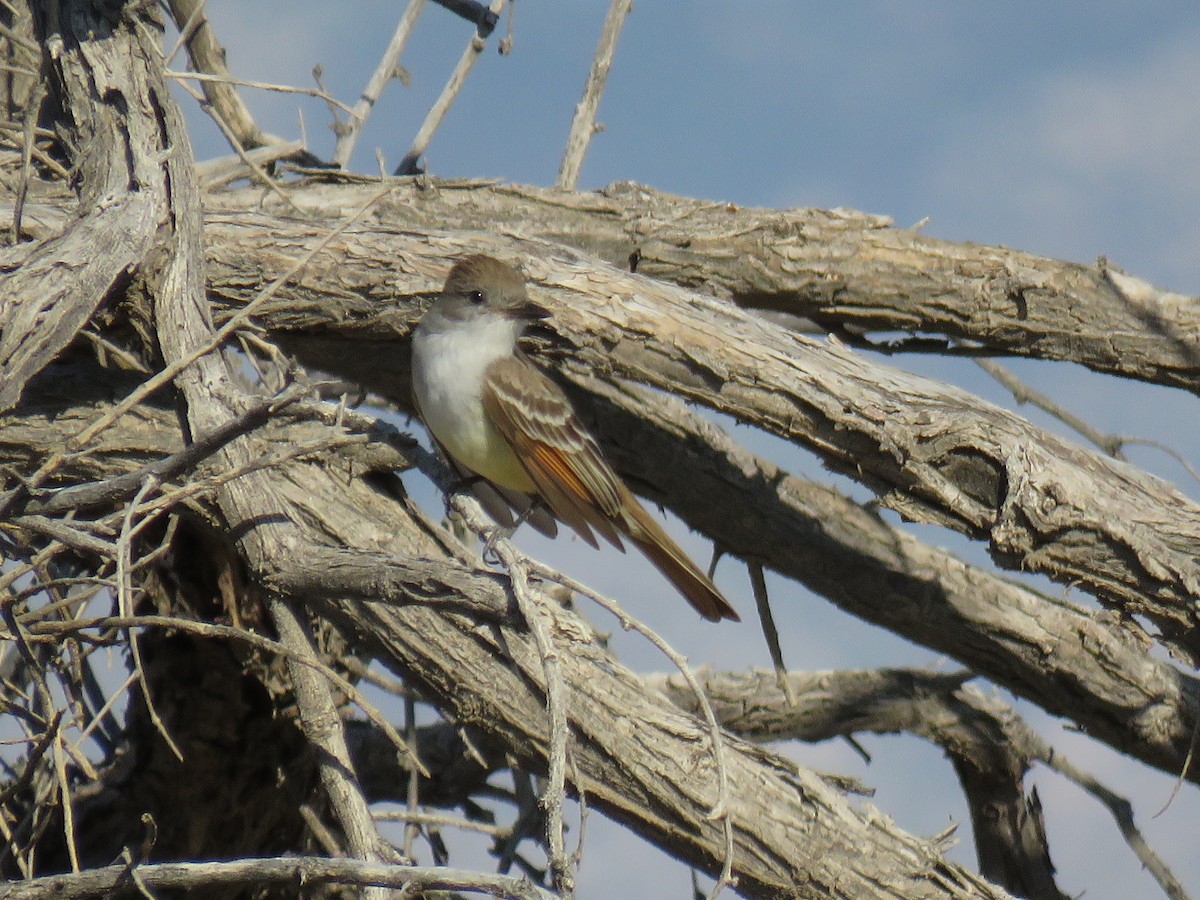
[531,312]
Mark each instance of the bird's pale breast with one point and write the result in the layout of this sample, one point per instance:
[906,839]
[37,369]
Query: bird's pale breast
[448,371]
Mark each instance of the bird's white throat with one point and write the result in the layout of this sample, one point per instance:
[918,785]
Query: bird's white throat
[450,361]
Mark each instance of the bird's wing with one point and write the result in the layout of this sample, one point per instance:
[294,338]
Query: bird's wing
[564,462]
[536,418]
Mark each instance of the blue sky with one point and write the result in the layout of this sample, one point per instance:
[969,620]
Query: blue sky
[1065,129]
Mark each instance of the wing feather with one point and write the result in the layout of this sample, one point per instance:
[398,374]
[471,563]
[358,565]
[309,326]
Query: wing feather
[565,464]
[563,460]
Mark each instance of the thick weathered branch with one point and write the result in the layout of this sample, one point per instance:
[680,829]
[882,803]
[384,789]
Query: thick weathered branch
[844,268]
[207,55]
[984,740]
[934,453]
[990,745]
[635,757]
[1098,674]
[1091,670]
[52,288]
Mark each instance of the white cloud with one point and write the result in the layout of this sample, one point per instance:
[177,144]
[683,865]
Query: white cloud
[1084,161]
[1136,120]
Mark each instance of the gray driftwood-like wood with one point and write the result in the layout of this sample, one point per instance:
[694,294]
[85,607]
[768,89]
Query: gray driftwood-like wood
[1140,705]
[847,269]
[1098,676]
[330,527]
[988,744]
[307,531]
[1063,658]
[933,452]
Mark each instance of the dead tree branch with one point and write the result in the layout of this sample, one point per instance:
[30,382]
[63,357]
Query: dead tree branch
[583,125]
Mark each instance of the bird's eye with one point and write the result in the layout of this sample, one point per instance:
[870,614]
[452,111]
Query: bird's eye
[475,296]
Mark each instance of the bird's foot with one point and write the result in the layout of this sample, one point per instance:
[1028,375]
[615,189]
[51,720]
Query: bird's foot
[503,533]
[495,536]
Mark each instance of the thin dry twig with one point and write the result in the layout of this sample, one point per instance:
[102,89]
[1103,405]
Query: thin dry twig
[209,78]
[322,728]
[125,605]
[384,73]
[1129,439]
[68,807]
[1122,812]
[413,793]
[763,600]
[583,125]
[103,711]
[208,56]
[444,820]
[720,809]
[285,871]
[1112,444]
[437,112]
[240,149]
[54,632]
[1184,771]
[27,147]
[186,31]
[1023,393]
[553,798]
[198,487]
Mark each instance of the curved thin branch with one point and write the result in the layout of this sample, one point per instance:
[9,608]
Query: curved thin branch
[281,871]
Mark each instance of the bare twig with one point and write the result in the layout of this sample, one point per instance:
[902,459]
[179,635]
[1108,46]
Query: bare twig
[583,126]
[409,165]
[1129,439]
[208,56]
[43,158]
[54,631]
[323,728]
[240,149]
[27,139]
[1184,771]
[413,798]
[1023,393]
[535,617]
[286,872]
[68,807]
[72,534]
[125,605]
[186,31]
[1122,812]
[208,78]
[384,72]
[720,809]
[444,820]
[1112,444]
[763,600]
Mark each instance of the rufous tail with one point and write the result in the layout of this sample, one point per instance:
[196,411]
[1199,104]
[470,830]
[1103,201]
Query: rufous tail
[669,559]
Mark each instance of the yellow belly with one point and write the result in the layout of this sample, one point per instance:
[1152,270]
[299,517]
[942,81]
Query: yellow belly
[484,451]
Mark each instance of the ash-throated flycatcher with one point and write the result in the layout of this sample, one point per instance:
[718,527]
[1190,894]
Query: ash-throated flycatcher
[498,416]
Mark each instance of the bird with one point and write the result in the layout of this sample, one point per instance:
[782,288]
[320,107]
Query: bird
[499,417]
